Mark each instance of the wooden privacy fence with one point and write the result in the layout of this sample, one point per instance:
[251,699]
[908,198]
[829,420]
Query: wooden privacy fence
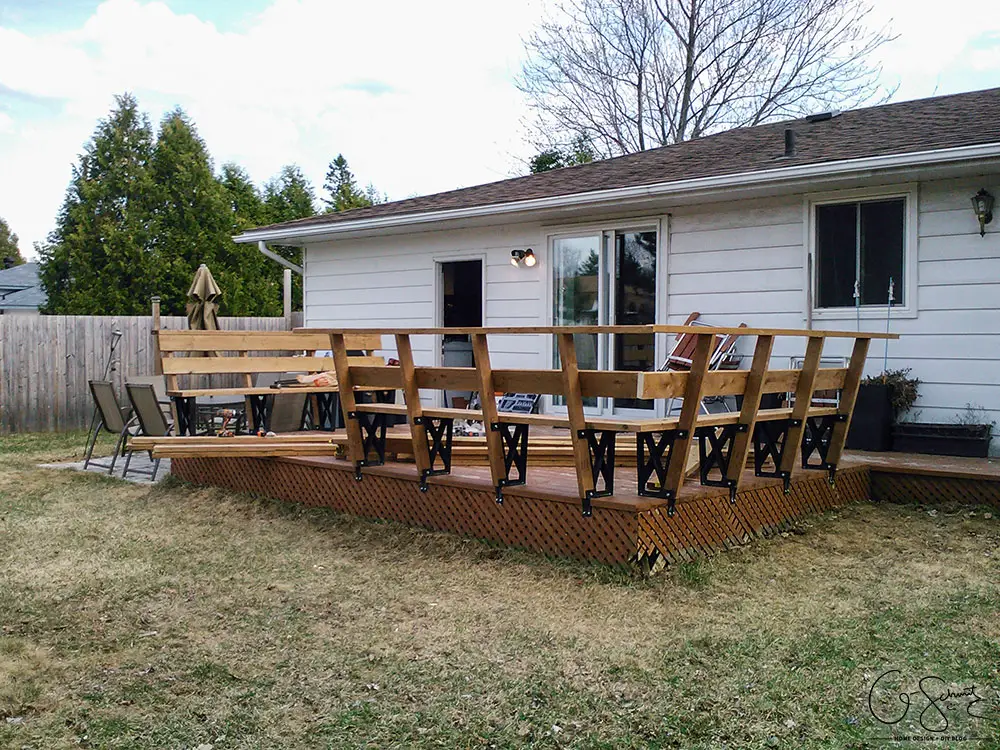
[778,437]
[46,361]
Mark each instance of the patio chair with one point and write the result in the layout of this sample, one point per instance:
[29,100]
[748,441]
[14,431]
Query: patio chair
[723,356]
[114,419]
[152,423]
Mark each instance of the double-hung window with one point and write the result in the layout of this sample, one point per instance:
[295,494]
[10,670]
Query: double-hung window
[861,251]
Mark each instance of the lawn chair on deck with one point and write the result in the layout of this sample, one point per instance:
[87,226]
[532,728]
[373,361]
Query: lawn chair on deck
[114,418]
[152,423]
[723,356]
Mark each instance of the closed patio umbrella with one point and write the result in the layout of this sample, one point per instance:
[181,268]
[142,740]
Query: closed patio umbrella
[204,297]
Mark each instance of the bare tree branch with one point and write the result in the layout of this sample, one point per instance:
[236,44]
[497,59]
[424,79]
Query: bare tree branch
[626,75]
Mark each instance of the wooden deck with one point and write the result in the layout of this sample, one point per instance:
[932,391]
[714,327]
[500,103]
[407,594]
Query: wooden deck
[544,514]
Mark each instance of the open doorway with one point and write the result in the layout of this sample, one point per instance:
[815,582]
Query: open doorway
[461,307]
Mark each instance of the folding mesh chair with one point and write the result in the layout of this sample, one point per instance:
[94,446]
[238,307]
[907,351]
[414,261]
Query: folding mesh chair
[114,419]
[152,423]
[723,356]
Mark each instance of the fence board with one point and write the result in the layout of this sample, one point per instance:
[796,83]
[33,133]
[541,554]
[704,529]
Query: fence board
[46,361]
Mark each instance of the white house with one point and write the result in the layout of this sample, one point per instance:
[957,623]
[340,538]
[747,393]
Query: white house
[771,225]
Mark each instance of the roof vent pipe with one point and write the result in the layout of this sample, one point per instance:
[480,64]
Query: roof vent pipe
[789,142]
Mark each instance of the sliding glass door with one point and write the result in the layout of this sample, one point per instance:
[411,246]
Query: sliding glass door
[607,279]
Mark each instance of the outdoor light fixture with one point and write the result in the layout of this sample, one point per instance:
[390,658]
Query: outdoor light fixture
[982,204]
[527,256]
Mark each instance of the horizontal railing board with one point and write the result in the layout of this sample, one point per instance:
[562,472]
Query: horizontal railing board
[258,341]
[578,330]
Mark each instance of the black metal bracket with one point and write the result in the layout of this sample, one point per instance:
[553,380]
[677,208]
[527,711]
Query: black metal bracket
[653,457]
[438,433]
[260,411]
[816,439]
[769,442]
[187,415]
[373,427]
[327,410]
[601,451]
[515,451]
[715,448]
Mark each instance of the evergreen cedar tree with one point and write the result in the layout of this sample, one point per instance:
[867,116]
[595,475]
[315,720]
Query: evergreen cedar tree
[10,253]
[142,213]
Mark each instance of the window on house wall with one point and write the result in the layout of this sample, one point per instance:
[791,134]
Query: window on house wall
[860,245]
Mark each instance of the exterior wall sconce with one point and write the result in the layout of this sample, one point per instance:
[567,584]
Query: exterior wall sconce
[982,204]
[517,257]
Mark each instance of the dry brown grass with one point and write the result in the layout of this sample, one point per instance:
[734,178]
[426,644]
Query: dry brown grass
[175,617]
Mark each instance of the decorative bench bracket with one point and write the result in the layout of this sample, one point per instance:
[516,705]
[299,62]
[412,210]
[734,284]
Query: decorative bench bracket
[816,439]
[514,438]
[715,449]
[601,449]
[438,433]
[373,426]
[769,441]
[260,411]
[660,452]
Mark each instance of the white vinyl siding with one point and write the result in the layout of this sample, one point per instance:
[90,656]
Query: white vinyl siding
[389,282]
[733,262]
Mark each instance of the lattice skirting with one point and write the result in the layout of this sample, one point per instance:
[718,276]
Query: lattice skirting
[934,490]
[616,535]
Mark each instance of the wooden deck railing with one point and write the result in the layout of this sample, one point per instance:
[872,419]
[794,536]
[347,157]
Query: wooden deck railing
[778,436]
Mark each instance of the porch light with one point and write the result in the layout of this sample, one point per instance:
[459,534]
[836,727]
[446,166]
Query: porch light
[982,204]
[527,256]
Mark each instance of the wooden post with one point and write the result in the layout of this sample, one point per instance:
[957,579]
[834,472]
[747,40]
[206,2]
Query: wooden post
[414,409]
[848,399]
[355,443]
[687,421]
[494,443]
[574,411]
[287,298]
[803,400]
[157,366]
[748,414]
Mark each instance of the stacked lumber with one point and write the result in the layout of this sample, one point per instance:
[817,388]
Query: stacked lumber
[248,446]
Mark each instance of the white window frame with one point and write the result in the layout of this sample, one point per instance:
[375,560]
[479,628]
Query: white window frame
[657,223]
[908,191]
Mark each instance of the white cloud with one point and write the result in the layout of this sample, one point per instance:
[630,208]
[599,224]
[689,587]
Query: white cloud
[932,51]
[418,96]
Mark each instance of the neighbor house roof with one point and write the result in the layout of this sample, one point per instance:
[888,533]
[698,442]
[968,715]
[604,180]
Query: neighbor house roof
[26,299]
[923,125]
[20,288]
[19,277]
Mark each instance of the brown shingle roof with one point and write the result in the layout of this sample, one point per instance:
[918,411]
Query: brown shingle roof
[921,125]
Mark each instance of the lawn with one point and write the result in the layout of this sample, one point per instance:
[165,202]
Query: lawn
[184,617]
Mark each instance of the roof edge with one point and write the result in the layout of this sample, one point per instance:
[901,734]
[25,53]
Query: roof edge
[665,189]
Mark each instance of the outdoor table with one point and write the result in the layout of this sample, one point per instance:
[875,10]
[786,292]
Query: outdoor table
[254,402]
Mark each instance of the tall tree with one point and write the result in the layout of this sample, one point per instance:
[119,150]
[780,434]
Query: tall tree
[286,197]
[289,196]
[10,253]
[192,220]
[580,152]
[97,260]
[343,188]
[634,74]
[251,283]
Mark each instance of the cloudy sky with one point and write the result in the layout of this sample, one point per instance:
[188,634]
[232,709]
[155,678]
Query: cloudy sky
[418,96]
